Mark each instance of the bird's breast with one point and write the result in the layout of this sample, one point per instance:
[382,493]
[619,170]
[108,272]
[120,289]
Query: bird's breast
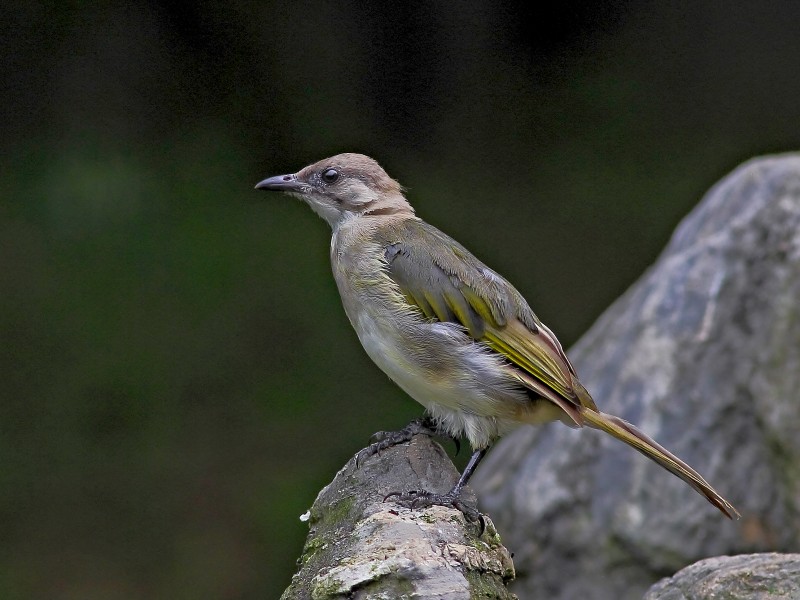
[459,380]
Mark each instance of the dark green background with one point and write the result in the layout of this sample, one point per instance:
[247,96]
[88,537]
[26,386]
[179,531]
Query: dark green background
[177,376]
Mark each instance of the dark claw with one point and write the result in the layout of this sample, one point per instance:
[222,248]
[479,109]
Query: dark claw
[422,499]
[383,440]
[390,494]
[386,439]
[471,514]
[379,436]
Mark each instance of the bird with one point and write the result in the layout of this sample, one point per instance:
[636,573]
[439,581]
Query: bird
[451,332]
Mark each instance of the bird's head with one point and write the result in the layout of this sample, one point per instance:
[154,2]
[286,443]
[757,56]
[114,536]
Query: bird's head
[342,187]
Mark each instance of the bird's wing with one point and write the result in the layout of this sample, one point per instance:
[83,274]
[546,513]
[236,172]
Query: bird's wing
[447,283]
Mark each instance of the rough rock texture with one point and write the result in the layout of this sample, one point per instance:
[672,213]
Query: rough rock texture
[703,353]
[745,577]
[360,547]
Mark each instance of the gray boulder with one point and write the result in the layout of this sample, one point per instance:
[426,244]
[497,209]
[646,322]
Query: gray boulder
[703,353]
[745,577]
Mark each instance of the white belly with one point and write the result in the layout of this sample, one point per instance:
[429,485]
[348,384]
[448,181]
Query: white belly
[459,383]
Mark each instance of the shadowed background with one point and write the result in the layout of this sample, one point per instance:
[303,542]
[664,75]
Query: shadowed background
[177,376]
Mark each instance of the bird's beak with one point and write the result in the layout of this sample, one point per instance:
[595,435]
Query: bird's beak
[280,183]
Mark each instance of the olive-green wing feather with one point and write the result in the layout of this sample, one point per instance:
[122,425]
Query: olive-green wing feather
[447,283]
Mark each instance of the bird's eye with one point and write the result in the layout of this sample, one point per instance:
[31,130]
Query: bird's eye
[330,175]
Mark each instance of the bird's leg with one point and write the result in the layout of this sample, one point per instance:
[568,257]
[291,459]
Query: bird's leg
[386,439]
[422,499]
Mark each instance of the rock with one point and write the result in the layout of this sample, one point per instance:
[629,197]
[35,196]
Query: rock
[363,548]
[745,577]
[703,353]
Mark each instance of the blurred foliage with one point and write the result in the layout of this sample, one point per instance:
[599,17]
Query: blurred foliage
[177,377]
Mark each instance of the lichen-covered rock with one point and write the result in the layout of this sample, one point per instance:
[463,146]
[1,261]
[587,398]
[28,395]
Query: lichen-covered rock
[768,576]
[703,353]
[361,547]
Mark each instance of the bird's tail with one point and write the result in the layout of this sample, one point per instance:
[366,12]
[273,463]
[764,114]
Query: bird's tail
[622,430]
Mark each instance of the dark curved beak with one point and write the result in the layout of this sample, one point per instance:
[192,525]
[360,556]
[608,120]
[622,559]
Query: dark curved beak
[279,183]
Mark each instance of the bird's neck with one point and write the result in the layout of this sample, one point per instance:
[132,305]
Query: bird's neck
[365,225]
[380,211]
[389,210]
[389,204]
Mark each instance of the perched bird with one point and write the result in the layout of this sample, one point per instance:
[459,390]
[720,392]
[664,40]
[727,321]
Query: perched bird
[451,332]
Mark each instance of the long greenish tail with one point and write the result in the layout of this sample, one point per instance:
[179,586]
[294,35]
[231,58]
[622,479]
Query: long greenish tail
[628,433]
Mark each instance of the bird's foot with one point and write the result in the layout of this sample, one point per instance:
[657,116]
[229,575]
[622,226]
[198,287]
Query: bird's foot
[421,499]
[386,439]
